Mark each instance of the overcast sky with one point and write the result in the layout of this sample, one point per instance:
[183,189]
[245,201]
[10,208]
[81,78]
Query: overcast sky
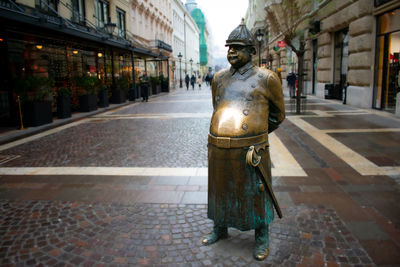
[222,16]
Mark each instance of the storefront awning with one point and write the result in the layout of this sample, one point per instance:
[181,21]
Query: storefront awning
[14,16]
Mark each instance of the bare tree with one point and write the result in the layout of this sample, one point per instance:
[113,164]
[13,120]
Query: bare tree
[288,18]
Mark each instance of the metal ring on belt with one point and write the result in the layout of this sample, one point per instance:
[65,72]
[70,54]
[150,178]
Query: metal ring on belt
[236,142]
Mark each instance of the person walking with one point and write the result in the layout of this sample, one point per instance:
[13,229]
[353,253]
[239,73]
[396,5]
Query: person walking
[199,81]
[193,81]
[279,72]
[291,81]
[144,86]
[187,80]
[207,79]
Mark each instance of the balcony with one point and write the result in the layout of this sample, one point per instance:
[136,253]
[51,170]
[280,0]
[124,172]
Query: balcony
[161,45]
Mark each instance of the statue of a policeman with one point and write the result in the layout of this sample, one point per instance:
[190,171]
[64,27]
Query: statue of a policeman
[248,104]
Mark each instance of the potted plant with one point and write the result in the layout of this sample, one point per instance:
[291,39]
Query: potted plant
[155,85]
[103,96]
[36,97]
[87,92]
[118,93]
[164,83]
[132,92]
[63,103]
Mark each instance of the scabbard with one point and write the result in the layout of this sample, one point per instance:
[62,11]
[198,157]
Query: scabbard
[254,160]
[266,182]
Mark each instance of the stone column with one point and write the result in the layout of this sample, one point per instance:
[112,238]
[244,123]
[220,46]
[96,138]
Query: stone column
[360,75]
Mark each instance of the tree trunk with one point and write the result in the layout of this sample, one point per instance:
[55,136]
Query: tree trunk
[300,76]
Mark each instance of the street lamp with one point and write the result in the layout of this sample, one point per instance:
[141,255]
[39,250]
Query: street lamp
[109,27]
[259,36]
[180,69]
[191,62]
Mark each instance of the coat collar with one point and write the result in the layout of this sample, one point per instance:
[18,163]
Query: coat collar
[242,70]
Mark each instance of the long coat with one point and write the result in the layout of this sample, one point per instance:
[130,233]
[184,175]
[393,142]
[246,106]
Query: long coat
[247,102]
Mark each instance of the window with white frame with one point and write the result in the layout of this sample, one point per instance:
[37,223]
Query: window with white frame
[133,18]
[78,11]
[47,5]
[121,23]
[101,12]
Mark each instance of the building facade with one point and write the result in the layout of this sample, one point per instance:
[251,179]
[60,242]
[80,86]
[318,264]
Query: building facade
[185,41]
[255,21]
[151,28]
[200,20]
[352,51]
[62,40]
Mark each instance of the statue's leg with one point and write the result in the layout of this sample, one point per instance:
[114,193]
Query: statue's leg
[261,249]
[219,232]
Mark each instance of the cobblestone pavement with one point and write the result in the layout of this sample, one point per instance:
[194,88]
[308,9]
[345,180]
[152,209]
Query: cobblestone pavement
[128,187]
[74,233]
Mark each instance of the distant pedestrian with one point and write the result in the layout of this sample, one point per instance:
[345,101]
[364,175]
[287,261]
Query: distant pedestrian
[144,86]
[291,81]
[199,81]
[207,79]
[279,74]
[211,75]
[193,81]
[187,80]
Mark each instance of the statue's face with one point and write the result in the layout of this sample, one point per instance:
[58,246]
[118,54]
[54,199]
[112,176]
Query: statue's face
[238,55]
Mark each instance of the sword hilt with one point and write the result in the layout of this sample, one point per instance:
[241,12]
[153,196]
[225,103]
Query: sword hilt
[252,158]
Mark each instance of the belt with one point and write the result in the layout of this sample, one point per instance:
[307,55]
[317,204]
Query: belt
[236,142]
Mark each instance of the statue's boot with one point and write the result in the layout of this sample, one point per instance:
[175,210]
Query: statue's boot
[261,249]
[218,233]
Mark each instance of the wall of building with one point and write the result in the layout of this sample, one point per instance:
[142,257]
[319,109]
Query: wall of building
[255,20]
[151,20]
[185,40]
[356,17]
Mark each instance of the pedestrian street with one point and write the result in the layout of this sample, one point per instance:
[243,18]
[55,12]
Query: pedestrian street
[128,187]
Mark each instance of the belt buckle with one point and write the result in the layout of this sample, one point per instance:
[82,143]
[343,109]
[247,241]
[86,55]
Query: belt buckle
[224,142]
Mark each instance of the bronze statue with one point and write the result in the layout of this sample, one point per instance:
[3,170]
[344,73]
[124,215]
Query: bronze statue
[248,104]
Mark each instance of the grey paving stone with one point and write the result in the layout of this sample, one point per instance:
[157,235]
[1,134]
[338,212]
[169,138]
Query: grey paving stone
[194,197]
[367,231]
[114,233]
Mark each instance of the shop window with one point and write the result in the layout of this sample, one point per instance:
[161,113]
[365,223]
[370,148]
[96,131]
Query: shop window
[101,13]
[78,11]
[387,67]
[121,23]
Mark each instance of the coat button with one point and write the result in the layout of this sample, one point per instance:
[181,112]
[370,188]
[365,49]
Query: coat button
[260,75]
[261,187]
[246,112]
[253,86]
[245,127]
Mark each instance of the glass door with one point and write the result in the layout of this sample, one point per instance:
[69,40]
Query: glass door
[387,69]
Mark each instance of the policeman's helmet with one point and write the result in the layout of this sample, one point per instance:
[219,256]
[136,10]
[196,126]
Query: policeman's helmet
[240,36]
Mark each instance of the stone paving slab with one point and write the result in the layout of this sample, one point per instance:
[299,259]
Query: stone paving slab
[60,233]
[379,147]
[146,143]
[362,121]
[334,214]
[183,106]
